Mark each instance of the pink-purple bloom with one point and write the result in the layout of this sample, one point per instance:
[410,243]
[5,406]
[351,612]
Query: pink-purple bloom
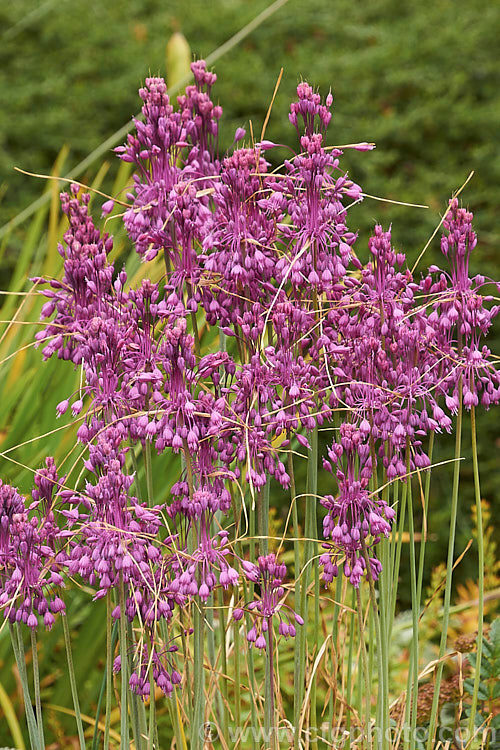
[265,262]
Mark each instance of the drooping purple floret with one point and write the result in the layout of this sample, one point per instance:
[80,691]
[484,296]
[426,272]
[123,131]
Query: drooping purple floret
[270,576]
[32,553]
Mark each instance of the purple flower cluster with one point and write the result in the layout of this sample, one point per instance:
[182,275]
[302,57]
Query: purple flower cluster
[266,259]
[32,552]
[150,662]
[269,575]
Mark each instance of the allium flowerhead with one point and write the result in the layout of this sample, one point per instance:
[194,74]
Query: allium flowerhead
[31,560]
[270,576]
[87,280]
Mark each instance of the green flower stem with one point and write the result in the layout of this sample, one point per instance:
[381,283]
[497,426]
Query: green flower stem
[296,553]
[349,671]
[36,681]
[265,510]
[149,472]
[199,638]
[301,638]
[427,488]
[237,674]
[371,646]
[72,680]
[137,706]
[248,596]
[364,662]
[449,569]
[224,690]
[313,534]
[209,610]
[269,720]
[334,660]
[18,648]
[317,626]
[198,675]
[415,609]
[135,467]
[194,321]
[107,680]
[263,518]
[152,712]
[109,670]
[173,704]
[480,550]
[295,521]
[124,730]
[396,553]
[180,741]
[382,742]
[384,591]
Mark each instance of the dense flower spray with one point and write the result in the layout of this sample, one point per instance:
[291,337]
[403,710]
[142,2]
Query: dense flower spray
[32,552]
[260,259]
[269,575]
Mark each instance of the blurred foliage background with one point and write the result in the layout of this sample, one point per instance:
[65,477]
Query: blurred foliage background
[419,79]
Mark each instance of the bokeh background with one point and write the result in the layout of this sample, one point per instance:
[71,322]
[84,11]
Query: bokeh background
[419,79]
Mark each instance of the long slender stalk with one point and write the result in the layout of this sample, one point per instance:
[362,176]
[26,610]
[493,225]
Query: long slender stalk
[102,691]
[199,637]
[149,472]
[371,646]
[313,699]
[237,674]
[334,660]
[124,728]
[364,662]
[248,596]
[263,519]
[152,712]
[137,707]
[301,639]
[135,466]
[396,554]
[224,681]
[480,551]
[18,648]
[72,680]
[349,672]
[381,649]
[427,488]
[295,522]
[385,600]
[381,627]
[36,681]
[194,322]
[296,553]
[449,569]
[209,610]
[198,676]
[263,532]
[109,670]
[173,704]
[415,606]
[313,533]
[269,720]
[180,741]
